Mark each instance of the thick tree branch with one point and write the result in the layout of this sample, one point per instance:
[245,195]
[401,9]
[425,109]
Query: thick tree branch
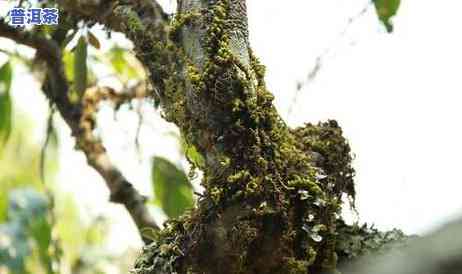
[437,253]
[56,89]
[356,242]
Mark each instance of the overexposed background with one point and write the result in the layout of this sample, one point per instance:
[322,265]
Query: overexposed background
[397,97]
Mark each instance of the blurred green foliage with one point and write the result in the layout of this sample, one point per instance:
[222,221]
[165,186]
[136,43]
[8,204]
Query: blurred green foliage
[79,74]
[80,66]
[172,190]
[5,103]
[124,64]
[27,228]
[41,228]
[191,153]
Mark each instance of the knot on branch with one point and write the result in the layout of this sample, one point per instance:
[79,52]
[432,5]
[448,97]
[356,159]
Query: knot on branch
[330,151]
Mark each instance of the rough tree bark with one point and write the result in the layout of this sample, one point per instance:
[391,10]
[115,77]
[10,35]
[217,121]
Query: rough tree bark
[272,194]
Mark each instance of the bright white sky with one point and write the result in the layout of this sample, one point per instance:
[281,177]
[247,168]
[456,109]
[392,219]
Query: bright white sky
[397,97]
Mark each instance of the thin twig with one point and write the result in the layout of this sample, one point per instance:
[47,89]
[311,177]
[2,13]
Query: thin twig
[139,111]
[49,131]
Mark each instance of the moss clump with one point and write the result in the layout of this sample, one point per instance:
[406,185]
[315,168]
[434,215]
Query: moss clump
[164,254]
[294,266]
[179,21]
[132,20]
[332,154]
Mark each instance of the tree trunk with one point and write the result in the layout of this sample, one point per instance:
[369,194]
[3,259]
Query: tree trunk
[272,194]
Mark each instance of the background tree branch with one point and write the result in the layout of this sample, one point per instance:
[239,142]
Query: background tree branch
[437,253]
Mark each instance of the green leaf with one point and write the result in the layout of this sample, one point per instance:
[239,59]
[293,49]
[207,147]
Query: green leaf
[40,230]
[386,9]
[68,60]
[195,157]
[5,103]
[123,64]
[192,154]
[172,190]
[80,66]
[117,56]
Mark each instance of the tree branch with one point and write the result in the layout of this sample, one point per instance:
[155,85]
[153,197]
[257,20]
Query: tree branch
[56,89]
[357,242]
[437,253]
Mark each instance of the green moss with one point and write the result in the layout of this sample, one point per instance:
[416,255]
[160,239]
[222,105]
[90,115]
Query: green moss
[240,175]
[258,68]
[163,254]
[335,154]
[180,20]
[132,20]
[295,266]
[216,194]
[195,78]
